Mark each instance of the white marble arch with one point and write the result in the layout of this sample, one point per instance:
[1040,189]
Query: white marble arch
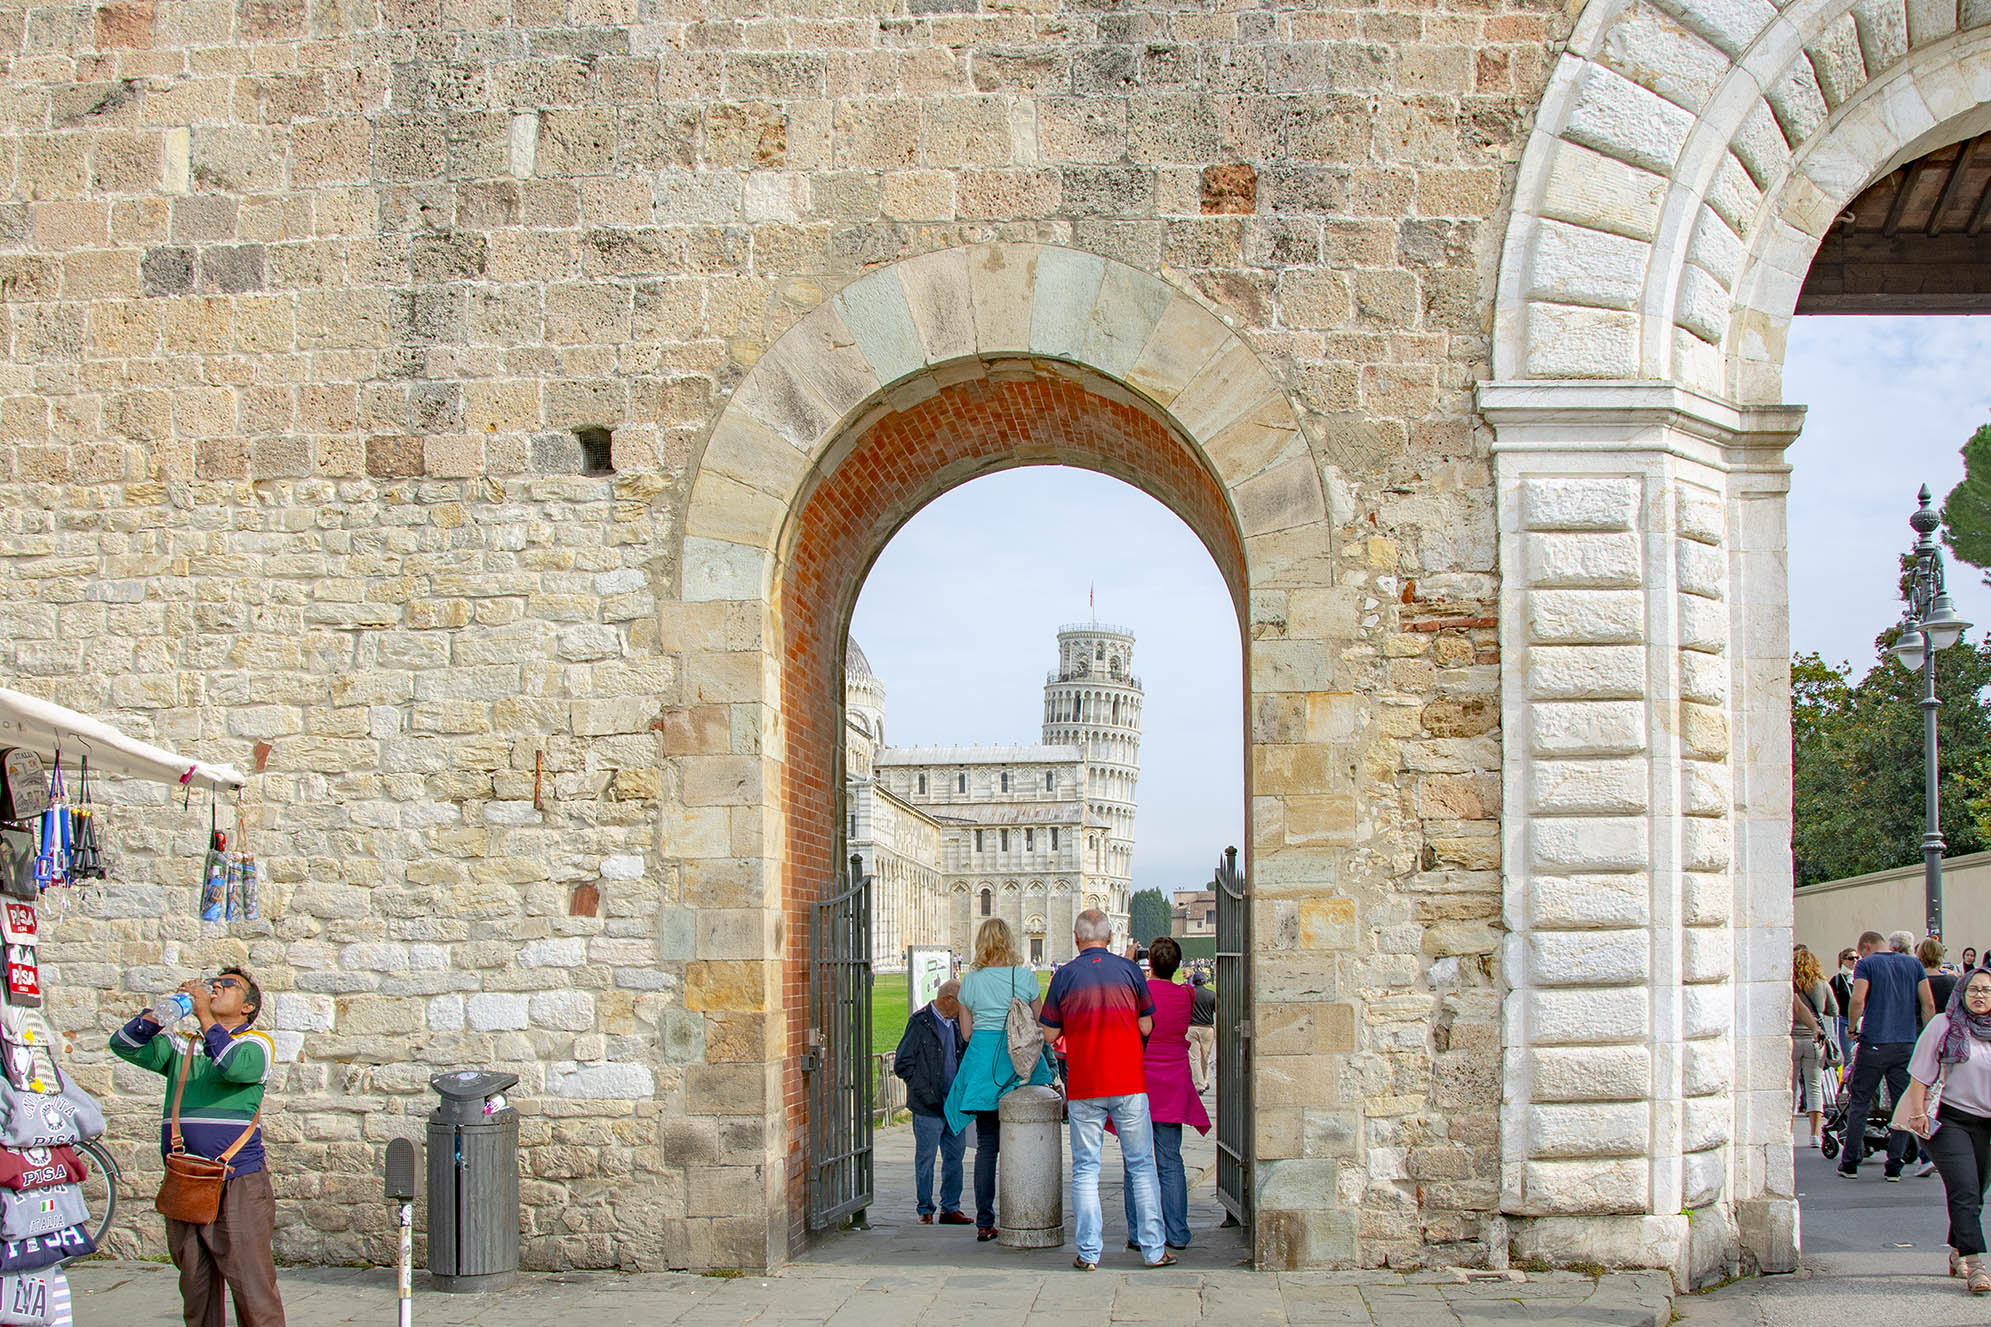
[1686,160]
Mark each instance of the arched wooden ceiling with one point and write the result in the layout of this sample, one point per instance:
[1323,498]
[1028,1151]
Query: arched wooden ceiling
[1918,240]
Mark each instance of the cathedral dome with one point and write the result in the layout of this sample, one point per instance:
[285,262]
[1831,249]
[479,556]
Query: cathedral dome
[855,665]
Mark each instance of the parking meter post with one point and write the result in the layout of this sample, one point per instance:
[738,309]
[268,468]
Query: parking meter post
[401,1192]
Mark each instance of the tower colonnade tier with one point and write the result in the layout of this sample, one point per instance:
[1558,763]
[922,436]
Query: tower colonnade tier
[1093,701]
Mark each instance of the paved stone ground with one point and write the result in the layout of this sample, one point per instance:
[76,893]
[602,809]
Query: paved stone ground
[900,1273]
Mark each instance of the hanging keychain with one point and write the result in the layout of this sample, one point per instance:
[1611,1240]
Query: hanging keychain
[214,871]
[48,862]
[86,858]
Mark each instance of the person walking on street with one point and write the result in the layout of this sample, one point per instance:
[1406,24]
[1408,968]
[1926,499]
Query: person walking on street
[1101,1004]
[1955,1052]
[986,1075]
[1172,1097]
[929,1054]
[1967,959]
[1842,995]
[1942,984]
[215,1103]
[1888,990]
[1812,1008]
[1202,1030]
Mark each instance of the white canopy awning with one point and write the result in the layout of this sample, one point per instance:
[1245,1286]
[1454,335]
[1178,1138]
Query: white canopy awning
[41,726]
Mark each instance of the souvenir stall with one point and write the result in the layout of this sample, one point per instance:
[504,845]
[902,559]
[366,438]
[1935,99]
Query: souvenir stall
[50,757]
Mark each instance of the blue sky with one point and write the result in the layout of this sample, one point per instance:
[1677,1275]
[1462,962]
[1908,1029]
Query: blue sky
[1890,401]
[960,618]
[960,614]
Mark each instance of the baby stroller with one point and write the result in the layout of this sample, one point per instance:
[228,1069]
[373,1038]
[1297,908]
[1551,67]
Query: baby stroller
[1834,1140]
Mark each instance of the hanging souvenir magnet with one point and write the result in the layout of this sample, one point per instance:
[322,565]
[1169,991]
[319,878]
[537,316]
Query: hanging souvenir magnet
[23,977]
[18,923]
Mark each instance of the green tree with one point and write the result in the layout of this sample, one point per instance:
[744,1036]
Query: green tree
[1967,510]
[1856,756]
[1147,915]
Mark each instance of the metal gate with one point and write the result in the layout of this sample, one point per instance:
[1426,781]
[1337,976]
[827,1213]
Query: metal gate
[838,1059]
[1233,1041]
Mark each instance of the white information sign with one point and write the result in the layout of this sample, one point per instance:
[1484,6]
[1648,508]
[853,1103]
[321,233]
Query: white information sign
[927,966]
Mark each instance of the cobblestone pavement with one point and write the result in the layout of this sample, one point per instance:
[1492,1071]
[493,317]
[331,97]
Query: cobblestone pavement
[902,1274]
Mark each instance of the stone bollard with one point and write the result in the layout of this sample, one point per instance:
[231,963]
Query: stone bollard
[1030,1179]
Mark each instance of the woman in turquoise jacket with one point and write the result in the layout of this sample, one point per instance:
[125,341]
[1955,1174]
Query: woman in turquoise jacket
[986,1075]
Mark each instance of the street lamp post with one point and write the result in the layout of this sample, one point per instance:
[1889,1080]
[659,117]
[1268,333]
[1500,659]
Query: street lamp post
[1932,624]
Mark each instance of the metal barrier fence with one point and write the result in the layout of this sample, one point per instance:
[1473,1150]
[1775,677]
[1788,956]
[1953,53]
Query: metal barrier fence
[888,1091]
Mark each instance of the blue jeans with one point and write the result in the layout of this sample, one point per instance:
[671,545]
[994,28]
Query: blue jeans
[1137,1153]
[1174,1187]
[930,1136]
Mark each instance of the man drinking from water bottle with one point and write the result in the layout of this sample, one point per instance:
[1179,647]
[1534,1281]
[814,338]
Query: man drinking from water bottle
[224,1070]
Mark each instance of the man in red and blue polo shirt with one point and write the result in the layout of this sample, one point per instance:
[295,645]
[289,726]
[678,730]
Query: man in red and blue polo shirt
[1100,1002]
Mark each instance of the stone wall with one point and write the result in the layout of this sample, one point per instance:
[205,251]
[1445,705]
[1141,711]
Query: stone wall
[304,305]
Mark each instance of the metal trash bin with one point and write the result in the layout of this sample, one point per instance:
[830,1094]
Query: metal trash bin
[473,1184]
[1030,1176]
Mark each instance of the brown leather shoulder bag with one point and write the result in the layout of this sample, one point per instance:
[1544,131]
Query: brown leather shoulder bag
[191,1188]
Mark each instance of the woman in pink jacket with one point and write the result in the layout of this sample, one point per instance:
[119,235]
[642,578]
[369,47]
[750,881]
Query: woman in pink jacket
[1172,1099]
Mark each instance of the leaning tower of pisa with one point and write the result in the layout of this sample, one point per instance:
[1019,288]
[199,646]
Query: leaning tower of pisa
[1092,700]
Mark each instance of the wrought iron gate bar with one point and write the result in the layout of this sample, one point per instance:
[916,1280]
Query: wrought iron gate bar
[1234,1183]
[840,1067]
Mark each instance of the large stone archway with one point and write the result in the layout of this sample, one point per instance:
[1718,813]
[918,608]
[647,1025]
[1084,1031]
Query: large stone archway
[907,382]
[1685,163]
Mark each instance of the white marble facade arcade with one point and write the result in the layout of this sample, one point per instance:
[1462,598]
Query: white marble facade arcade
[1032,834]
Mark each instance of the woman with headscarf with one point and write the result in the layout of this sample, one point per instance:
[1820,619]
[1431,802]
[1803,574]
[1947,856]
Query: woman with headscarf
[1952,1059]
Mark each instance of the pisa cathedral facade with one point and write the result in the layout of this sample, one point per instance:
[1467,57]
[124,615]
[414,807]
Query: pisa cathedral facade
[1033,834]
[476,417]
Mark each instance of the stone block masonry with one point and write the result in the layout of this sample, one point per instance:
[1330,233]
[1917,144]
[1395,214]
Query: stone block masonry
[305,313]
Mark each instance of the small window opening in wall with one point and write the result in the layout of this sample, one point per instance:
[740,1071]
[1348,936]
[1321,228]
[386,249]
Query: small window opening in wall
[1005,781]
[1054,837]
[597,451]
[960,783]
[922,783]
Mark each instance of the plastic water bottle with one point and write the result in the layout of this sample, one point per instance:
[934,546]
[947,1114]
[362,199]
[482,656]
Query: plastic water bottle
[174,1007]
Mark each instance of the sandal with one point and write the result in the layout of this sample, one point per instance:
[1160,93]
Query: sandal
[1082,1265]
[1977,1280]
[1956,1263]
[1169,1260]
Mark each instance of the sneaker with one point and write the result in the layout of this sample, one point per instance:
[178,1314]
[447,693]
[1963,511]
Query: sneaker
[1814,1141]
[1926,1169]
[1891,1176]
[1848,1173]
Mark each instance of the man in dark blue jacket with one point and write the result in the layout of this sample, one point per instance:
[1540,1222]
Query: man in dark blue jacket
[927,1057]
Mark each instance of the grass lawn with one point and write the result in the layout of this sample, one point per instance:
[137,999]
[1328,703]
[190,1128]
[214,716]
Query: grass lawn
[889,1012]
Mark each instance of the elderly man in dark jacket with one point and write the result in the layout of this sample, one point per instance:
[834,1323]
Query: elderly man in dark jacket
[927,1057]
